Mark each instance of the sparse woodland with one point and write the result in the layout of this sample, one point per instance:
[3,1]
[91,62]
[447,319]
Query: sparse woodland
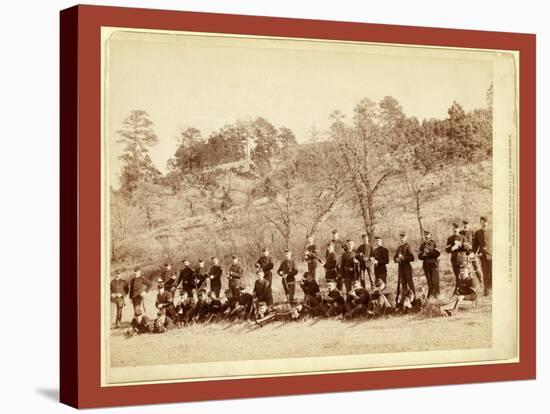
[250,184]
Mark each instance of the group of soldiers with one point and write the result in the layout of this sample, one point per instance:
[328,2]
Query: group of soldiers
[356,283]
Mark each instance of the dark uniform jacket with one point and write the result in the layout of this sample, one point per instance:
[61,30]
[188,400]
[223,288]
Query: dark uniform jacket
[334,297]
[164,274]
[170,283]
[202,308]
[363,253]
[312,255]
[262,291]
[428,252]
[338,246]
[186,278]
[483,243]
[164,300]
[463,248]
[347,264]
[382,256]
[469,235]
[235,271]
[216,276]
[216,306]
[142,327]
[288,268]
[467,285]
[361,299]
[199,277]
[310,287]
[331,264]
[405,250]
[138,285]
[120,286]
[266,263]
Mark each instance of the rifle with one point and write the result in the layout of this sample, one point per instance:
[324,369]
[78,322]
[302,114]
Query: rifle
[398,290]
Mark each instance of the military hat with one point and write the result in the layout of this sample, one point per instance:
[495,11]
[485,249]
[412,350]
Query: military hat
[242,288]
[287,251]
[138,312]
[233,256]
[265,249]
[262,303]
[136,268]
[349,241]
[402,233]
[455,226]
[160,285]
[117,272]
[464,221]
[364,235]
[484,218]
[166,264]
[427,232]
[334,231]
[257,266]
[201,261]
[377,238]
[184,260]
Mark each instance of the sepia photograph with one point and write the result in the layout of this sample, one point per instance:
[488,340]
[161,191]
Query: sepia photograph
[274,206]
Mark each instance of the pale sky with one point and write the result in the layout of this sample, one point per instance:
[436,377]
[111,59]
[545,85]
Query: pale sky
[209,81]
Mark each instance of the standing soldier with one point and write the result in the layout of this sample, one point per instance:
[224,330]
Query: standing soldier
[200,276]
[165,272]
[262,288]
[339,245]
[457,246]
[331,263]
[311,256]
[216,277]
[380,257]
[139,287]
[288,271]
[403,257]
[234,276]
[186,278]
[483,246]
[119,289]
[429,254]
[170,283]
[364,252]
[165,302]
[349,267]
[473,259]
[266,263]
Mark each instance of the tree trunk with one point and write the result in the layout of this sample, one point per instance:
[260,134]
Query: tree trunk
[418,213]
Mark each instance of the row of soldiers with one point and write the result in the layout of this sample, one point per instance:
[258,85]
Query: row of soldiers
[346,271]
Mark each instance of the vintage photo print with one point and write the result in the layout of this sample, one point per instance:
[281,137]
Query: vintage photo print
[279,206]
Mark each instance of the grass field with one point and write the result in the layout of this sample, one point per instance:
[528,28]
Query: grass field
[468,328]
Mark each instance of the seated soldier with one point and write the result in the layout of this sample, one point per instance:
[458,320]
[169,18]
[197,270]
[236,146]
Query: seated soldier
[406,300]
[263,314]
[140,324]
[185,307]
[332,302]
[202,307]
[217,306]
[311,290]
[163,322]
[357,300]
[262,288]
[241,305]
[164,302]
[467,288]
[381,299]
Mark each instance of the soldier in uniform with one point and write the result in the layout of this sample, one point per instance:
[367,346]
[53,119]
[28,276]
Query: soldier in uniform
[264,314]
[201,276]
[186,278]
[166,272]
[266,263]
[234,276]
[403,257]
[262,287]
[357,300]
[184,308]
[339,244]
[380,257]
[217,306]
[349,267]
[483,247]
[163,322]
[165,302]
[170,283]
[381,299]
[311,256]
[139,287]
[363,253]
[311,293]
[457,246]
[288,271]
[119,289]
[429,254]
[331,263]
[202,307]
[472,257]
[139,324]
[332,303]
[216,276]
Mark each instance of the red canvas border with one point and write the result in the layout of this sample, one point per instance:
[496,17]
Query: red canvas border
[80,205]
